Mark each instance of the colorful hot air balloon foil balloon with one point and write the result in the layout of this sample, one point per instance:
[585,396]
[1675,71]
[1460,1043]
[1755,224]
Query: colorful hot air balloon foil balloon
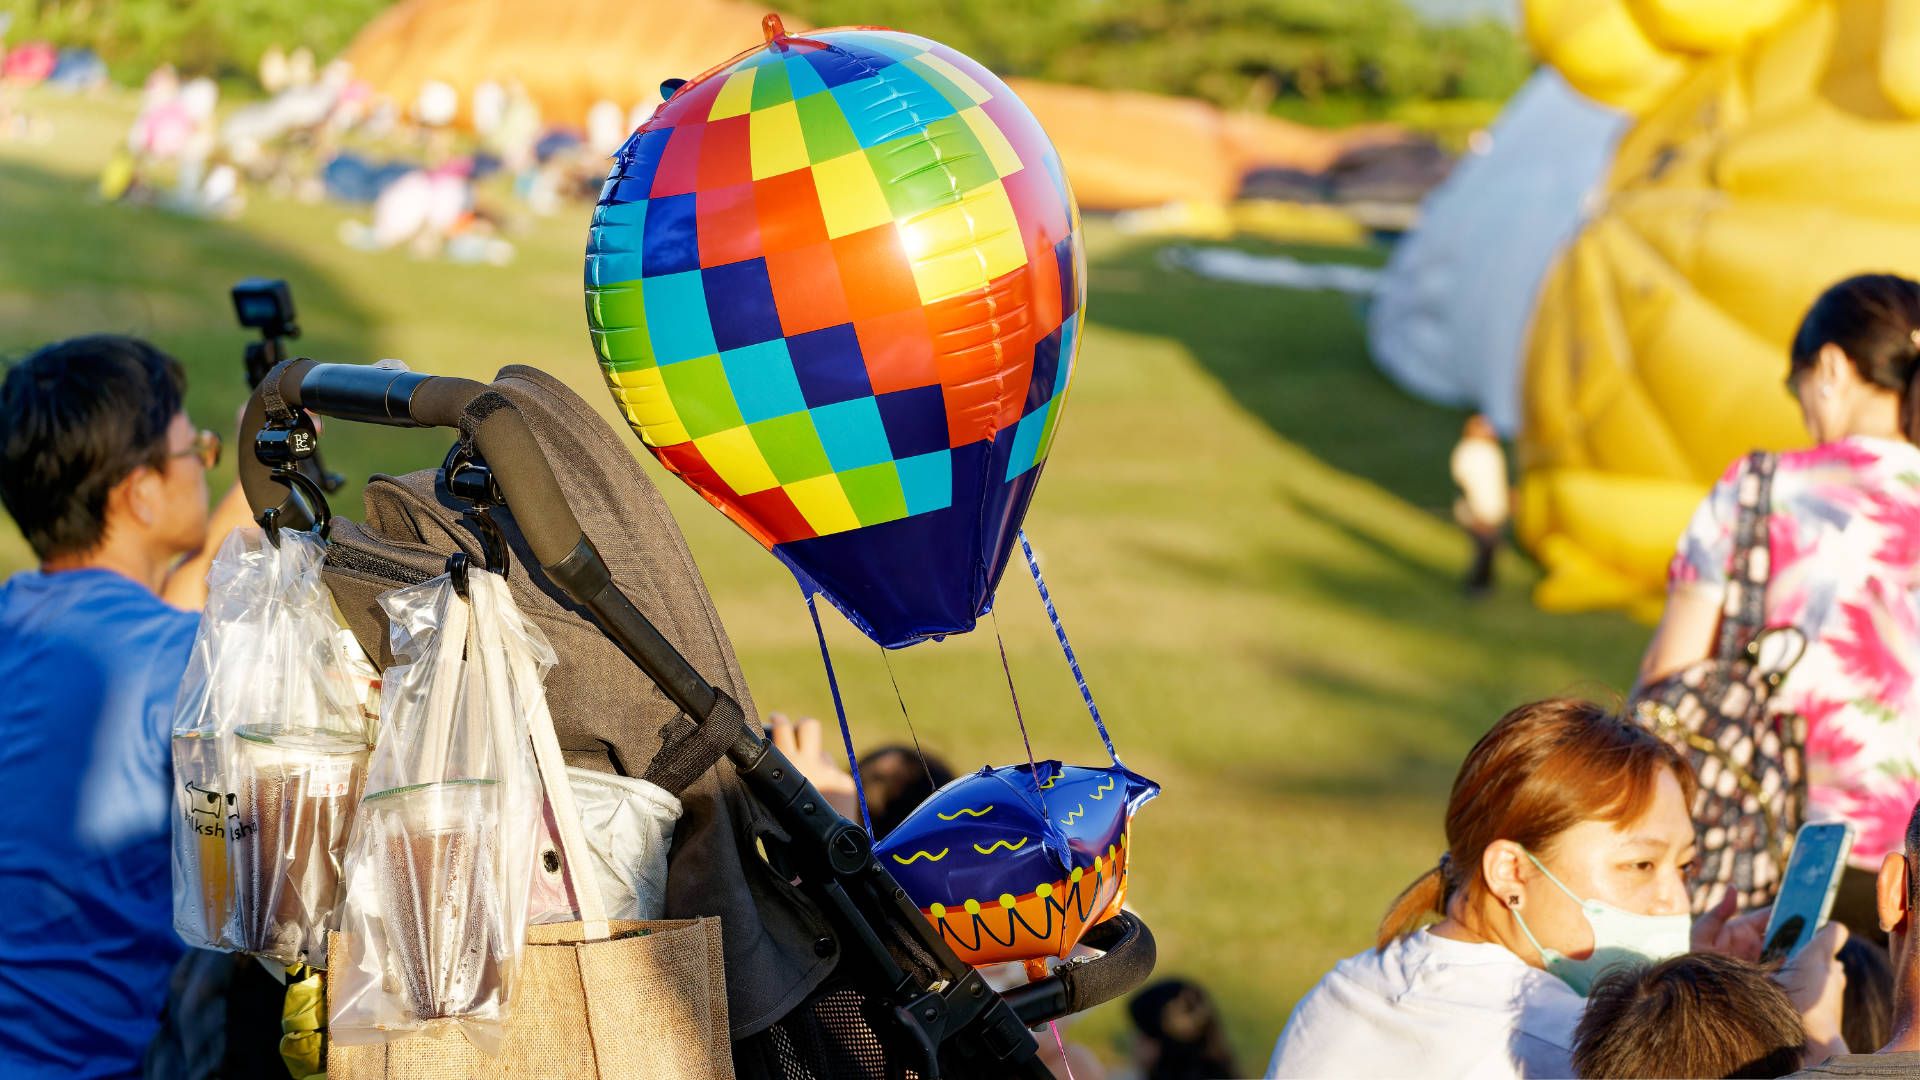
[835,285]
[1008,869]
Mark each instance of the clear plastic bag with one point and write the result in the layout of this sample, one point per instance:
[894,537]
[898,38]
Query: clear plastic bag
[270,746]
[442,855]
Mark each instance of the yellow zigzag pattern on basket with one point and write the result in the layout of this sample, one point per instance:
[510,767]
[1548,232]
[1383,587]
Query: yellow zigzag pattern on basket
[998,844]
[1101,791]
[1051,780]
[1079,811]
[964,810]
[1076,896]
[918,855]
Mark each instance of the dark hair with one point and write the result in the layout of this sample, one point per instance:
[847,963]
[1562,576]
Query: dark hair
[1866,1011]
[1695,1015]
[898,779]
[1189,1042]
[75,418]
[1542,769]
[1913,859]
[1875,320]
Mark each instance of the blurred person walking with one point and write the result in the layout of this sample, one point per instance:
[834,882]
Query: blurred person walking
[1843,555]
[1479,468]
[107,478]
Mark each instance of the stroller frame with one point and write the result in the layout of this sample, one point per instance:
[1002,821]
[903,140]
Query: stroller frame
[945,1019]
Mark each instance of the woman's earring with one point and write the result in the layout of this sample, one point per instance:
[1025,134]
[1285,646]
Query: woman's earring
[1513,901]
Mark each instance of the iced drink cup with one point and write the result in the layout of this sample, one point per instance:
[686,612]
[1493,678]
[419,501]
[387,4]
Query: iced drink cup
[436,858]
[298,791]
[205,811]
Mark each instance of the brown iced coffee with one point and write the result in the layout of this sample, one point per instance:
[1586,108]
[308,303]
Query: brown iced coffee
[298,791]
[435,850]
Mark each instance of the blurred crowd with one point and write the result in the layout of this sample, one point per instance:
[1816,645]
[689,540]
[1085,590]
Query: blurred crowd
[421,168]
[438,176]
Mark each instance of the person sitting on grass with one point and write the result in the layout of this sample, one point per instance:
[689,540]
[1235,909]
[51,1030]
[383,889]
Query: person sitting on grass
[1178,1034]
[1568,851]
[1696,1015]
[107,478]
[1898,897]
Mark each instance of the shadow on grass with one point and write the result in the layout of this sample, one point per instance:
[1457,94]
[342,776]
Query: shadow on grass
[1297,360]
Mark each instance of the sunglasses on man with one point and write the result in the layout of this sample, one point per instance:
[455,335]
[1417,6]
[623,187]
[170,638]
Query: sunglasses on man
[206,447]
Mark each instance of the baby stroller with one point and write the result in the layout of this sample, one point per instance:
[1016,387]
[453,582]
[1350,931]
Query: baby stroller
[831,970]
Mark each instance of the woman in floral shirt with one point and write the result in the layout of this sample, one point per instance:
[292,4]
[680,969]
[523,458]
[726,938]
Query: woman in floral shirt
[1844,547]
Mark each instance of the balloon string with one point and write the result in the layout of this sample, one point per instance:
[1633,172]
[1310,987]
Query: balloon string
[1032,769]
[840,710]
[1073,662]
[1057,1041]
[887,656]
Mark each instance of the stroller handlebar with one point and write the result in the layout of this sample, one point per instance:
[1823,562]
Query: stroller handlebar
[397,398]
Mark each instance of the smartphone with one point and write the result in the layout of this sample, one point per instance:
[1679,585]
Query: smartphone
[1806,895]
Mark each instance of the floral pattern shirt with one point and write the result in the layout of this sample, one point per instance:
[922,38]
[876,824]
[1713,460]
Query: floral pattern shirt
[1844,547]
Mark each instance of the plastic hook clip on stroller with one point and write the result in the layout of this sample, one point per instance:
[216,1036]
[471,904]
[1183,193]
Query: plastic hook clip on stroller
[282,445]
[470,482]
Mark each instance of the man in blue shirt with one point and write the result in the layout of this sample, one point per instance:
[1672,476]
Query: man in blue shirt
[107,478]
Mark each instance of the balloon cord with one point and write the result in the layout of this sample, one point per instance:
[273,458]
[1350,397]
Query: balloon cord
[1073,662]
[840,710]
[887,656]
[1032,769]
[1057,1041]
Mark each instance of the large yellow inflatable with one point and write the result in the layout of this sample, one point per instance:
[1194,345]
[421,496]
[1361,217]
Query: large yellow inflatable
[1775,150]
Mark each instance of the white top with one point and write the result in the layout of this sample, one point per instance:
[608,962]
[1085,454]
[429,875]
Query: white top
[1479,468]
[1431,1006]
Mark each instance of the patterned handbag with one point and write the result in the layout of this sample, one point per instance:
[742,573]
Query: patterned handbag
[1749,754]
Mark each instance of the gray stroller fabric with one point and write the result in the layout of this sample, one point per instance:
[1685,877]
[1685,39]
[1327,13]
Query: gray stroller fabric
[606,712]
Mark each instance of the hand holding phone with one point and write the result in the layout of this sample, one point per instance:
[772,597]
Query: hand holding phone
[1806,894]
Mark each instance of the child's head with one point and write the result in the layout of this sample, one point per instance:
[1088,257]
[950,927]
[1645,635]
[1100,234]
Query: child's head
[1696,1015]
[897,779]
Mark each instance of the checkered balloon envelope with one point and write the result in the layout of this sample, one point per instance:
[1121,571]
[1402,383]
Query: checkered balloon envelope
[835,286]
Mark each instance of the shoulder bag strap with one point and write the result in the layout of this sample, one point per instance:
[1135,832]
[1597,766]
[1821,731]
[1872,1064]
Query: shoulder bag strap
[1743,612]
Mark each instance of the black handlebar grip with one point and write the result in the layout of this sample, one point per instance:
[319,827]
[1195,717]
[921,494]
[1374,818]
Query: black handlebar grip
[1128,957]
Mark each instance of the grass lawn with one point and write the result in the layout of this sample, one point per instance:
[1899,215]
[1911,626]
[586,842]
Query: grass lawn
[1243,523]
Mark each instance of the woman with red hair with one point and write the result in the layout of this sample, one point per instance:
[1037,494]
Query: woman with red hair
[1568,851]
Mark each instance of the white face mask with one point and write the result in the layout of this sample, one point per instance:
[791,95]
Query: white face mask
[1618,937]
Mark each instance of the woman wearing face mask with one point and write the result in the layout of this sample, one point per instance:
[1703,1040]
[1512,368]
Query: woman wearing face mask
[1568,846]
[1844,567]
